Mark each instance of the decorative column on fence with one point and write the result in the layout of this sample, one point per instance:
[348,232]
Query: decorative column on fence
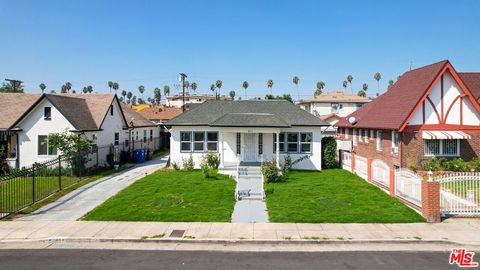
[431,199]
[369,170]
[352,156]
[392,181]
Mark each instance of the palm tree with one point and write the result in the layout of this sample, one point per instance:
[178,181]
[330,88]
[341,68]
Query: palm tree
[74,92]
[157,96]
[378,77]
[115,87]
[218,84]
[166,90]
[134,100]
[232,95]
[129,97]
[68,86]
[110,85]
[85,90]
[344,84]
[320,86]
[390,83]
[63,90]
[350,79]
[361,93]
[42,87]
[90,89]
[296,80]
[212,88]
[270,85]
[141,89]
[365,87]
[124,93]
[245,86]
[194,87]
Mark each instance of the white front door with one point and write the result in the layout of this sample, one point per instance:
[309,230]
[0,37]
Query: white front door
[249,153]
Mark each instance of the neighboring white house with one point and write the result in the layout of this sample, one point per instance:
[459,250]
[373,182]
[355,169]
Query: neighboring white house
[333,103]
[247,131]
[99,117]
[177,101]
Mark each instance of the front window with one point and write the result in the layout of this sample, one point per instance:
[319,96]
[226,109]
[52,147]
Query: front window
[346,133]
[47,113]
[127,141]
[199,141]
[365,135]
[394,142]
[360,134]
[117,138]
[212,141]
[445,148]
[43,148]
[185,141]
[281,143]
[260,143]
[238,144]
[372,134]
[335,107]
[305,142]
[379,140]
[144,136]
[359,105]
[292,139]
[151,135]
[354,136]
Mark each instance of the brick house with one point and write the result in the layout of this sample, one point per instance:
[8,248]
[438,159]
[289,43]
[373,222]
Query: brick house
[432,111]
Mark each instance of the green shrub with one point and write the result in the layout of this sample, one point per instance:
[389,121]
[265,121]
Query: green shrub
[456,165]
[175,166]
[431,165]
[188,163]
[329,149]
[209,164]
[213,160]
[271,173]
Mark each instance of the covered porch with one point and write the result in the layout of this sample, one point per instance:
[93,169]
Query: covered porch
[9,148]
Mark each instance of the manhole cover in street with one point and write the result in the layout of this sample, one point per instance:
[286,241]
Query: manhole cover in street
[177,233]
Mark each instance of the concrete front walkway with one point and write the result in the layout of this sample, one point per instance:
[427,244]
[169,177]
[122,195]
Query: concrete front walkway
[77,203]
[461,231]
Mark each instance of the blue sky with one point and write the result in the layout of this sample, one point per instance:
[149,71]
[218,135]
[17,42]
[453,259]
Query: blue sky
[150,42]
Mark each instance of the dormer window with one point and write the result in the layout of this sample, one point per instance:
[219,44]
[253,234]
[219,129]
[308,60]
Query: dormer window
[47,113]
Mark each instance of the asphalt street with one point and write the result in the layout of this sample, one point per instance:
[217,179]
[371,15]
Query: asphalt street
[209,260]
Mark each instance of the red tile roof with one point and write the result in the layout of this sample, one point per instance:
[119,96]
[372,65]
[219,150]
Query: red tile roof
[472,80]
[135,119]
[391,110]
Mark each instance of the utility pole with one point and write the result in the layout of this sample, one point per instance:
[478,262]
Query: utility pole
[14,83]
[182,80]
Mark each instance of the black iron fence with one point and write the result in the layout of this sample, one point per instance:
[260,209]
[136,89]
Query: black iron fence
[20,188]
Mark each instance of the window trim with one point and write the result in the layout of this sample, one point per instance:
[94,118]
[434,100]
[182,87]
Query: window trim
[116,138]
[49,117]
[302,143]
[285,143]
[365,135]
[378,145]
[194,141]
[395,137]
[50,151]
[354,136]
[441,151]
[207,141]
[372,134]
[189,142]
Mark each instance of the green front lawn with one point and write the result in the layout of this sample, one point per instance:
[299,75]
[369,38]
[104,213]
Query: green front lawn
[171,196]
[333,196]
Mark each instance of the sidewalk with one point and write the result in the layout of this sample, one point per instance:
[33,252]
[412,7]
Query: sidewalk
[79,202]
[456,231]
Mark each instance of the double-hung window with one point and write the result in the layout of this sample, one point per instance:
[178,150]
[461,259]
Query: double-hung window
[185,141]
[151,135]
[198,141]
[365,135]
[354,136]
[144,136]
[306,142]
[394,142]
[372,134]
[127,140]
[212,141]
[116,138]
[379,140]
[281,143]
[360,135]
[292,142]
[442,148]
[44,149]
[47,113]
[239,143]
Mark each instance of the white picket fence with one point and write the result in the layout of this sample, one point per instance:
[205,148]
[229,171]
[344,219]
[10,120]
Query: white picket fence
[361,167]
[347,161]
[381,173]
[408,186]
[460,194]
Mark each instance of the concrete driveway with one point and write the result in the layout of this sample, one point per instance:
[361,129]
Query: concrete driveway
[79,202]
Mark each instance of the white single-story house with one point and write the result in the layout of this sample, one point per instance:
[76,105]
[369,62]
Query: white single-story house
[247,131]
[26,120]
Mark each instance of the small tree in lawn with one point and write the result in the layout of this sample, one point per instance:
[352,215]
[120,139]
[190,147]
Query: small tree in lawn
[73,146]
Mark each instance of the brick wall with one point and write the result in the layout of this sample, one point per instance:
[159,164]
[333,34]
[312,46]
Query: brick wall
[431,201]
[470,148]
[369,149]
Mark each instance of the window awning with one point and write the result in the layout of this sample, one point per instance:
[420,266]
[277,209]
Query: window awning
[435,135]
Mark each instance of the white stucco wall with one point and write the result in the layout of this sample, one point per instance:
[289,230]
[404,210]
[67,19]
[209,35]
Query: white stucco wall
[229,145]
[325,108]
[34,125]
[451,90]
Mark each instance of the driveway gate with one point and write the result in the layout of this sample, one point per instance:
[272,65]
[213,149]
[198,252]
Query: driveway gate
[460,194]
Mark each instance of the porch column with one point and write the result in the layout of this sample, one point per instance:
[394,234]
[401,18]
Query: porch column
[222,159]
[9,145]
[277,149]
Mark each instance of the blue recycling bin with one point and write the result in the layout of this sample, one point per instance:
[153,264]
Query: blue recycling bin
[139,155]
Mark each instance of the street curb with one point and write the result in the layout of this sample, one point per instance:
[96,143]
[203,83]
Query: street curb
[225,241]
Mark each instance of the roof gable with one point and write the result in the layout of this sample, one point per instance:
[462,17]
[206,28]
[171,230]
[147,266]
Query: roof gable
[472,81]
[15,106]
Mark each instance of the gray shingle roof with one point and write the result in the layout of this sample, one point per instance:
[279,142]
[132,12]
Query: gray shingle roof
[247,113]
